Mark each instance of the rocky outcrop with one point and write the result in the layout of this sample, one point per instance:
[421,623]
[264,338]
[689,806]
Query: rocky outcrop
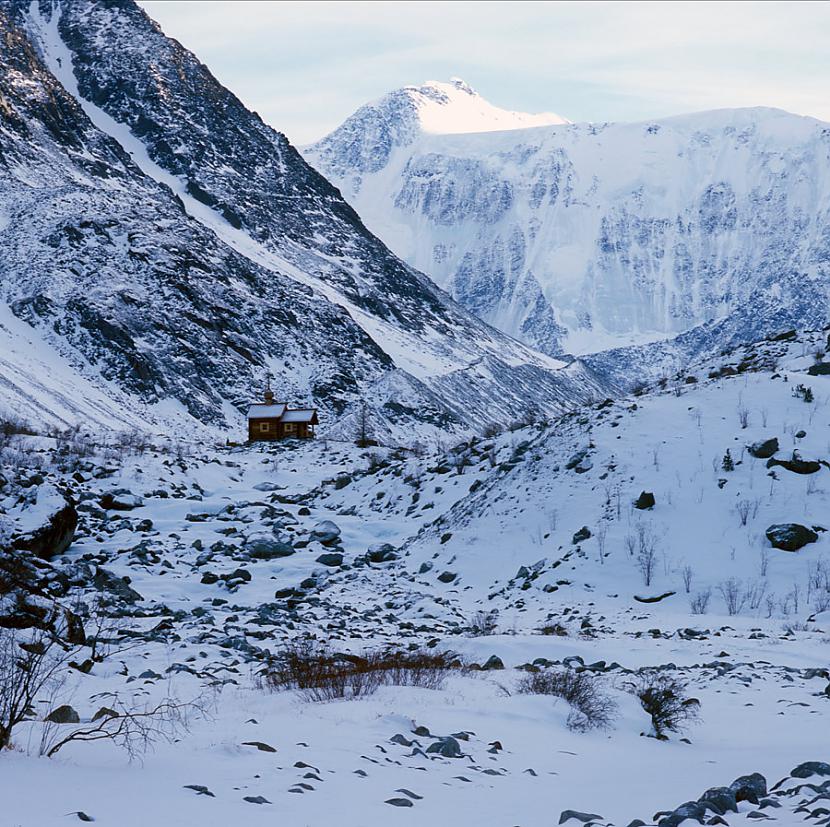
[790,536]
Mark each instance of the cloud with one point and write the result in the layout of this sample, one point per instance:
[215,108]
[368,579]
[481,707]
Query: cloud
[306,66]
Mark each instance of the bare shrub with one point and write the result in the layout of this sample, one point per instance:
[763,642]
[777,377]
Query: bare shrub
[733,595]
[646,552]
[665,699]
[688,575]
[323,675]
[133,730]
[699,603]
[28,668]
[591,706]
[483,623]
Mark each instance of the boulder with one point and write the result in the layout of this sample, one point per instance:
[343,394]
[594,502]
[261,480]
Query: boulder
[120,501]
[332,559]
[580,536]
[106,581]
[267,547]
[644,501]
[790,536]
[809,768]
[492,663]
[764,449]
[63,715]
[750,788]
[446,747]
[447,576]
[381,553]
[326,532]
[49,524]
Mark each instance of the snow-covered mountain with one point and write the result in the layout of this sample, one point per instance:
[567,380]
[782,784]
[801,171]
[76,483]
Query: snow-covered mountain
[165,249]
[578,238]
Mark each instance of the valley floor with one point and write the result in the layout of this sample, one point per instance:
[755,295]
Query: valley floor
[229,556]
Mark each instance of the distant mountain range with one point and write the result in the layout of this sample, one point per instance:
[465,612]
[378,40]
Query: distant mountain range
[578,238]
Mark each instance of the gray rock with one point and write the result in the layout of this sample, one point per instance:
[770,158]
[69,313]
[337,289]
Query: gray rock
[809,768]
[446,747]
[256,799]
[326,532]
[63,715]
[332,559]
[749,787]
[399,802]
[764,449]
[381,553]
[260,745]
[267,547]
[447,576]
[492,663]
[576,815]
[106,581]
[790,536]
[644,501]
[580,536]
[120,501]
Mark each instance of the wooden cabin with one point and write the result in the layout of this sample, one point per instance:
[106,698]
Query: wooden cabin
[269,420]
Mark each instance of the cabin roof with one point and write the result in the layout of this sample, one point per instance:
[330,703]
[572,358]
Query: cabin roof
[300,415]
[262,411]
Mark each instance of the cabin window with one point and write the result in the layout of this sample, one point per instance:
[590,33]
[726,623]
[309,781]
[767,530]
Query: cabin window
[290,427]
[264,427]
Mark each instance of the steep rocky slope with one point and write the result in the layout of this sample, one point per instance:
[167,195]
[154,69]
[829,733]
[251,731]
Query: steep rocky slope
[167,249]
[584,237]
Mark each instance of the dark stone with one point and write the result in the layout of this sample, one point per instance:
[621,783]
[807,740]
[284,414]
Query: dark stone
[721,798]
[399,802]
[260,745]
[580,536]
[809,768]
[750,788]
[644,501]
[819,369]
[120,501]
[796,465]
[790,536]
[256,799]
[493,662]
[584,818]
[764,449]
[267,548]
[106,581]
[326,532]
[54,537]
[381,553]
[653,599]
[63,715]
[330,559]
[447,576]
[446,747]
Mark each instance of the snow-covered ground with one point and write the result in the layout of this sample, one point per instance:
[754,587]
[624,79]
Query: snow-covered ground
[473,515]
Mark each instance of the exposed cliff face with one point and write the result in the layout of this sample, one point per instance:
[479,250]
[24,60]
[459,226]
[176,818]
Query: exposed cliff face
[167,249]
[583,237]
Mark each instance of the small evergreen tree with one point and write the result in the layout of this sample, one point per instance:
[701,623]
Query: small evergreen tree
[728,463]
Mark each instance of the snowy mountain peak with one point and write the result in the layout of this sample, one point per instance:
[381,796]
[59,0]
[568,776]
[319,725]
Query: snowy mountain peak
[456,108]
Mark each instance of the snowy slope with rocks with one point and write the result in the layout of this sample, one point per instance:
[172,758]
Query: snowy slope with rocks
[524,552]
[166,249]
[577,238]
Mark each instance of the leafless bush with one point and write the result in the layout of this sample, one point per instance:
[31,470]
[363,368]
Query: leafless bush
[699,603]
[733,595]
[483,623]
[133,730]
[744,509]
[591,706]
[764,564]
[28,667]
[688,575]
[665,699]
[646,552]
[743,416]
[323,675]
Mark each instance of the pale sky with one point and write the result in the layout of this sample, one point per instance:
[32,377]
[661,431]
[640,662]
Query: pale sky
[305,67]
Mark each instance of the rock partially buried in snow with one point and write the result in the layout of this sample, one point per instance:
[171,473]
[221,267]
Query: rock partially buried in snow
[326,532]
[63,715]
[381,553]
[267,547]
[764,449]
[790,536]
[120,501]
[447,576]
[331,559]
[575,815]
[52,523]
[644,501]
